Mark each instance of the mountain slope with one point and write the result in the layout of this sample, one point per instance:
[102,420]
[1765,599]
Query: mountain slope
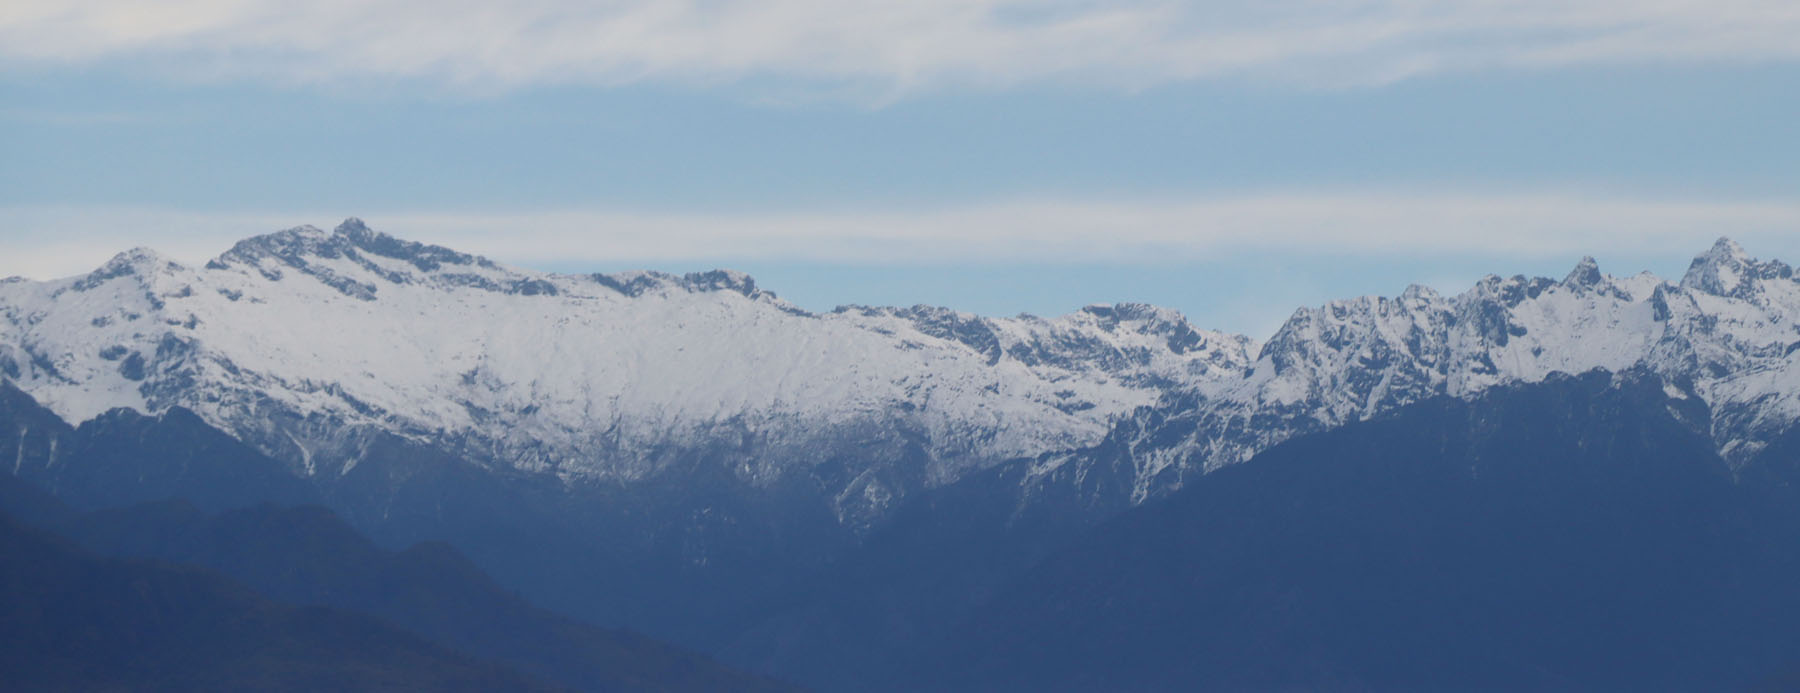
[308,556]
[72,621]
[302,556]
[123,457]
[684,556]
[1577,534]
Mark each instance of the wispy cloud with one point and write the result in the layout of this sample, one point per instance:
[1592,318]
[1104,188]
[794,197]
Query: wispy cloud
[44,242]
[885,48]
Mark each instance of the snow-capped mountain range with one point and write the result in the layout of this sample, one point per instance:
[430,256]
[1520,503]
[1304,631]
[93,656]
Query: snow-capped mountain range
[299,340]
[302,342]
[1726,334]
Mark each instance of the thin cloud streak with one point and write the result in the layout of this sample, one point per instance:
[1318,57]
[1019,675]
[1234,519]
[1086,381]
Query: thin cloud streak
[884,49]
[49,242]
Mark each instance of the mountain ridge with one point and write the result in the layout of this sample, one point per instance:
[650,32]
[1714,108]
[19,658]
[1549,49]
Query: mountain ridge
[1577,533]
[304,343]
[691,457]
[294,340]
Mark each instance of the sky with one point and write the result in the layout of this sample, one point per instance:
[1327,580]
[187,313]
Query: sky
[1234,160]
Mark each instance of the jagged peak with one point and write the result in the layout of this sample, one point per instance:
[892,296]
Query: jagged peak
[140,255]
[297,245]
[291,234]
[352,226]
[1726,269]
[1508,291]
[1585,273]
[1180,334]
[1727,248]
[424,256]
[274,243]
[136,261]
[1419,292]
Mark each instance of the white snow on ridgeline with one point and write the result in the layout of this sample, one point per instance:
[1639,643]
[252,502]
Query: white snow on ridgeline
[1730,331]
[291,338]
[303,341]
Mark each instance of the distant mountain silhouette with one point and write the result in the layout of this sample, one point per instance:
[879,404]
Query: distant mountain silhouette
[309,556]
[143,474]
[73,621]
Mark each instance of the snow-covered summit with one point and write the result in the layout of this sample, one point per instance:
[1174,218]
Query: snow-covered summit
[304,342]
[1586,273]
[1729,333]
[296,340]
[1726,270]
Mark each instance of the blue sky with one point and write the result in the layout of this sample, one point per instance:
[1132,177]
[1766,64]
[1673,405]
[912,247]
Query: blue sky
[1233,160]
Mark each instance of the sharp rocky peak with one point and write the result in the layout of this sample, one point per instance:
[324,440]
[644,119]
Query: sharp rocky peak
[288,243]
[1420,292]
[1726,270]
[1725,248]
[301,244]
[140,257]
[424,256]
[1586,274]
[137,261]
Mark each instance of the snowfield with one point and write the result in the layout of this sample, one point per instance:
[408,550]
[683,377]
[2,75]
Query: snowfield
[291,339]
[300,340]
